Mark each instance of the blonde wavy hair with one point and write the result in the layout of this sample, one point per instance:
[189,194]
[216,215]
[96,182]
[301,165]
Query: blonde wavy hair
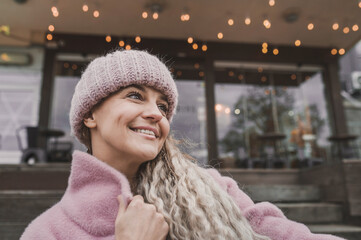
[192,202]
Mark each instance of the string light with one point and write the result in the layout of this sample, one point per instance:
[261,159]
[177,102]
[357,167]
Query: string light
[346,30]
[260,69]
[179,73]
[138,39]
[49,37]
[359,4]
[121,43]
[96,13]
[204,47]
[155,16]
[264,45]
[335,26]
[298,43]
[230,22]
[275,51]
[190,40]
[271,2]
[264,50]
[51,28]
[185,17]
[240,77]
[128,47]
[108,38]
[341,51]
[263,78]
[220,35]
[196,66]
[293,76]
[201,74]
[55,11]
[231,73]
[227,110]
[74,67]
[247,21]
[237,111]
[310,26]
[85,8]
[267,23]
[144,15]
[195,46]
[355,28]
[334,51]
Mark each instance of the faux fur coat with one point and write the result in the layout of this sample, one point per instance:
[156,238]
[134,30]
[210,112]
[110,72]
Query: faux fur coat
[88,209]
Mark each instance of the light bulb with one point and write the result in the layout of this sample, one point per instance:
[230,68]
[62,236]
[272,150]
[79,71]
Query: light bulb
[85,8]
[220,35]
[247,21]
[335,26]
[138,39]
[51,28]
[144,15]
[310,26]
[297,43]
[155,16]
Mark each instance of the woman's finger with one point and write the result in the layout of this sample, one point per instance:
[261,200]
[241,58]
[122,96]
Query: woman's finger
[121,204]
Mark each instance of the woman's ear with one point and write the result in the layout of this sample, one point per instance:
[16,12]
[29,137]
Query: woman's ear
[90,121]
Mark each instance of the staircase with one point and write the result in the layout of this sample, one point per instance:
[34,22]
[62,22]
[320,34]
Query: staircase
[301,203]
[27,191]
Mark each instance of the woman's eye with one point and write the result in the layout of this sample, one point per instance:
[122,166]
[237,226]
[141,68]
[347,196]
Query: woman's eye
[135,95]
[163,108]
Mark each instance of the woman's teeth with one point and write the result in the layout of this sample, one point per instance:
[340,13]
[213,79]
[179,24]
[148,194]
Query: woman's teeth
[144,131]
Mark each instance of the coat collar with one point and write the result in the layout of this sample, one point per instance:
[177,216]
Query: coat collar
[91,197]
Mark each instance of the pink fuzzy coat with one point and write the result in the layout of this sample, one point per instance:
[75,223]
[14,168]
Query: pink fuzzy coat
[89,207]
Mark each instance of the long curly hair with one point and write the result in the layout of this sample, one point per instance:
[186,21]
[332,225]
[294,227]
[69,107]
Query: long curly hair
[191,201]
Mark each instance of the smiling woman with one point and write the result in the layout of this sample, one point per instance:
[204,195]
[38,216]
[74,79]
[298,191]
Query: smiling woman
[134,182]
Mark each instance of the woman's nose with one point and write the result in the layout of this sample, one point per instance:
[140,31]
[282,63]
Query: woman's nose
[152,112]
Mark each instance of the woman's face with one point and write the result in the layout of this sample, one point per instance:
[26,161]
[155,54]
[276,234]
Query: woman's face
[131,124]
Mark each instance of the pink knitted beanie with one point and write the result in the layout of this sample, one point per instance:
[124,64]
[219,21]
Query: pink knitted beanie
[105,75]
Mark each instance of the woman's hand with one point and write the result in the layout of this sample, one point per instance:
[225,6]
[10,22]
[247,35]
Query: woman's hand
[139,221]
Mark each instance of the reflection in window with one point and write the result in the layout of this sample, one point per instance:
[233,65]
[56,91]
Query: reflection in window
[190,121]
[272,125]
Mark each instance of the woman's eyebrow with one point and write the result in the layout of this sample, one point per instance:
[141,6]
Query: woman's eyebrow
[143,89]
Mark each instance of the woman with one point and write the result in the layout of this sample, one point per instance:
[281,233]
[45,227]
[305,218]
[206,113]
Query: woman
[134,182]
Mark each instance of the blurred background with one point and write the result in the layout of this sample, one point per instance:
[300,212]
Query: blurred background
[270,92]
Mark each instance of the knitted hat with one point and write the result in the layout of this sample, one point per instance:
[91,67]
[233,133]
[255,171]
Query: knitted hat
[105,75]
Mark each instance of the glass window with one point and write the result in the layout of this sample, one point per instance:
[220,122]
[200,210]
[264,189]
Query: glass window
[190,121]
[19,101]
[281,121]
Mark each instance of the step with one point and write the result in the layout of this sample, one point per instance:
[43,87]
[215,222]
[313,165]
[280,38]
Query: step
[344,231]
[312,212]
[23,206]
[283,193]
[47,176]
[11,231]
[262,176]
